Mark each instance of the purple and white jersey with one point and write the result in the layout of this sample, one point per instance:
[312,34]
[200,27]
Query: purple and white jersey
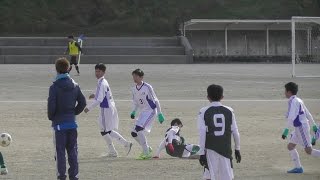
[144,98]
[103,95]
[298,113]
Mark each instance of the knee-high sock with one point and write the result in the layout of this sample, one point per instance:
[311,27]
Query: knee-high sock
[143,141]
[77,68]
[109,142]
[118,137]
[315,153]
[295,158]
[2,165]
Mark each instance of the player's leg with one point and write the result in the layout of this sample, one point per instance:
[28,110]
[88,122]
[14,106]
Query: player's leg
[76,64]
[212,164]
[225,168]
[294,140]
[105,132]
[60,145]
[72,150]
[304,132]
[190,150]
[114,134]
[112,150]
[3,168]
[143,139]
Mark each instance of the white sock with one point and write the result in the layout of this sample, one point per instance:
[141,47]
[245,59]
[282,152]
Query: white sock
[118,137]
[110,145]
[143,141]
[295,158]
[315,153]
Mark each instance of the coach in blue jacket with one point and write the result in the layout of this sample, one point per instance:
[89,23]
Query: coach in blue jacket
[64,103]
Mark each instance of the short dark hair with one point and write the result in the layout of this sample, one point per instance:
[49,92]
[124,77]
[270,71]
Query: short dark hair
[292,87]
[62,65]
[138,72]
[101,67]
[70,37]
[176,121]
[215,92]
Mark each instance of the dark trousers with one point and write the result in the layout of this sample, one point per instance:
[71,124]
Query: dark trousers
[66,140]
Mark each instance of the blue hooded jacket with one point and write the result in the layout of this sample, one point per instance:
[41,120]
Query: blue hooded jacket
[65,101]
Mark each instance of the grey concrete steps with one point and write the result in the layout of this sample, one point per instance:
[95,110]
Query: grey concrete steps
[90,41]
[93,50]
[93,59]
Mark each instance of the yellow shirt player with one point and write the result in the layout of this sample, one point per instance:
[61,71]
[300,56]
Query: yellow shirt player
[73,50]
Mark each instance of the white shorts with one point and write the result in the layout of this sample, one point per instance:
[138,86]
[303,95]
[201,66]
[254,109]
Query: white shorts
[108,119]
[301,135]
[219,166]
[145,119]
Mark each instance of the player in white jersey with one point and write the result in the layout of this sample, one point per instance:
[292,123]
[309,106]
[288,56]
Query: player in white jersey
[108,118]
[146,102]
[175,145]
[216,124]
[298,118]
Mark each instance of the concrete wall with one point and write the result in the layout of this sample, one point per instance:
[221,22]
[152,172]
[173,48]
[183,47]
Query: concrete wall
[246,43]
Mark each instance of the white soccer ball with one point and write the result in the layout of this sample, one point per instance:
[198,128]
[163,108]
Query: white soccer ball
[5,139]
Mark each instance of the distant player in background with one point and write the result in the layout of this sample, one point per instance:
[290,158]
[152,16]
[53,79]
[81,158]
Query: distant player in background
[73,50]
[298,117]
[216,124]
[175,145]
[65,101]
[146,102]
[108,118]
[3,168]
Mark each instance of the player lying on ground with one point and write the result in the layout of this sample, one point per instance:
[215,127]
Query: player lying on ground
[65,101]
[146,102]
[216,124]
[3,168]
[298,117]
[108,118]
[73,50]
[175,144]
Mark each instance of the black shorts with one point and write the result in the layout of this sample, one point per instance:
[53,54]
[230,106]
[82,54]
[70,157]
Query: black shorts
[178,150]
[73,60]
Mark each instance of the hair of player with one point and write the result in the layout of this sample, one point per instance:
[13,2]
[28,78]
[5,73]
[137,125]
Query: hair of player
[215,92]
[62,65]
[101,67]
[138,72]
[176,121]
[292,87]
[71,37]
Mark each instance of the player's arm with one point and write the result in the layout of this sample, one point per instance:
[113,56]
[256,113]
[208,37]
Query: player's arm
[97,99]
[153,97]
[134,106]
[52,102]
[202,138]
[81,102]
[293,112]
[67,50]
[236,138]
[311,120]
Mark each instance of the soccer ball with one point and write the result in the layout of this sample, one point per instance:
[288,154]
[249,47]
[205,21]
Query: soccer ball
[5,139]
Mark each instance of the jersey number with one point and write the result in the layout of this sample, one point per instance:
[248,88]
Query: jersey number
[220,123]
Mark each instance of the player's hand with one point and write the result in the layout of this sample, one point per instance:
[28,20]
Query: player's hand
[86,110]
[203,160]
[156,157]
[161,118]
[133,114]
[315,128]
[91,96]
[285,133]
[170,147]
[238,155]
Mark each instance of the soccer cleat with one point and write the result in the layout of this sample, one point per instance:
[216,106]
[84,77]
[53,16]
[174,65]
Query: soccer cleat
[144,157]
[296,170]
[129,147]
[3,171]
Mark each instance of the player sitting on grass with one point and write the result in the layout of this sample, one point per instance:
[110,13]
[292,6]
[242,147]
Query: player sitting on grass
[145,100]
[175,144]
[298,117]
[3,168]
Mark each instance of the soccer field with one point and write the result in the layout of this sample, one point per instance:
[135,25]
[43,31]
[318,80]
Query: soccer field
[254,91]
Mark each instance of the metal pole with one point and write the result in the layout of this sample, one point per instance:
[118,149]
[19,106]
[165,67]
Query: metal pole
[293,47]
[267,41]
[226,40]
[308,41]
